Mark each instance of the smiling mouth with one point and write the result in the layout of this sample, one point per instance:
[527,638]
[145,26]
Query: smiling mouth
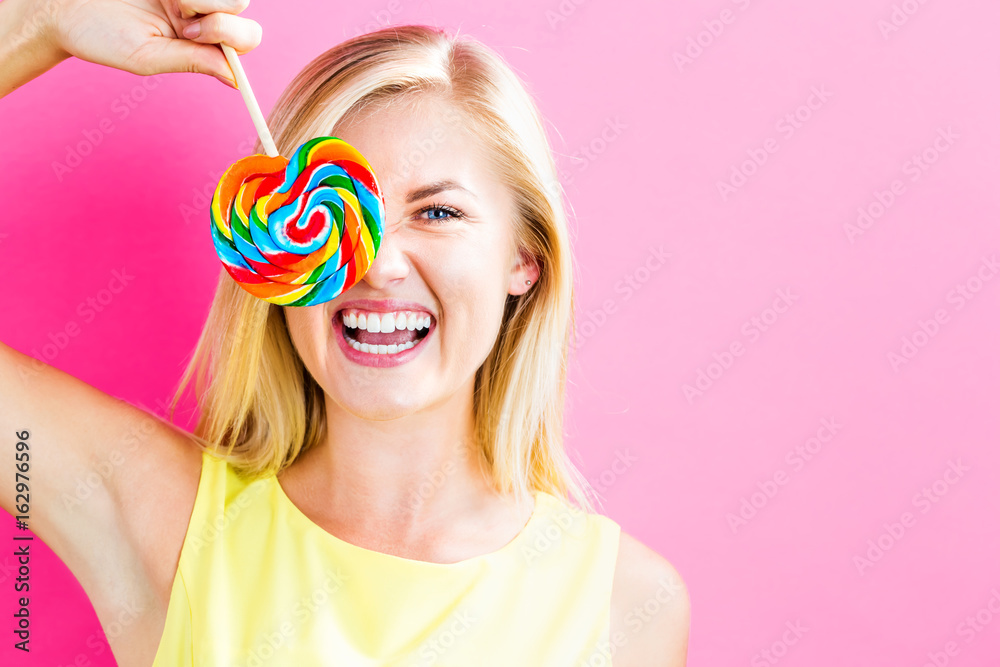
[380,342]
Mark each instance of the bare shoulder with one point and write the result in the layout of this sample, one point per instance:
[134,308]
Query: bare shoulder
[650,609]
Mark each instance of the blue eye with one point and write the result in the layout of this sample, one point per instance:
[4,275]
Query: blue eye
[437,209]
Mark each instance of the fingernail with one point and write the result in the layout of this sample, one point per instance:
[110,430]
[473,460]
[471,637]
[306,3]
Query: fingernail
[229,82]
[192,30]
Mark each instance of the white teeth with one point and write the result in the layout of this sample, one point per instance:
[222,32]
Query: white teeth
[386,322]
[379,349]
[383,323]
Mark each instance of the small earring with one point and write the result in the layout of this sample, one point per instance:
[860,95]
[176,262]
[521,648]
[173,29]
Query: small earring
[527,282]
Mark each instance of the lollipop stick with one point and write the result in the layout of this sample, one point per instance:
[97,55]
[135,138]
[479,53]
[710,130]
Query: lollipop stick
[250,101]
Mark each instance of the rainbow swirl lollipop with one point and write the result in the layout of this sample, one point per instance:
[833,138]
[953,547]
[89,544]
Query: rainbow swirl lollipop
[299,232]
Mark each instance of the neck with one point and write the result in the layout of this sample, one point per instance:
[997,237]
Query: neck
[404,473]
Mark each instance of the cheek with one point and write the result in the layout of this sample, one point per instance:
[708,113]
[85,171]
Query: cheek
[309,332]
[473,307]
[470,281]
[467,268]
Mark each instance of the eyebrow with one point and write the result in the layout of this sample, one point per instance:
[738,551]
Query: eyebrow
[433,189]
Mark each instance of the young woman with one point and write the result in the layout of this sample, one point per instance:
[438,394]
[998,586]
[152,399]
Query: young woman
[337,504]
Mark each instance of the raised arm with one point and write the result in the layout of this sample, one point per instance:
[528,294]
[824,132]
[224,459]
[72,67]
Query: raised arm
[142,37]
[107,486]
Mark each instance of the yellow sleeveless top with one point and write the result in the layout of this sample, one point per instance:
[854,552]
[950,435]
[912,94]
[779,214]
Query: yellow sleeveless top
[258,583]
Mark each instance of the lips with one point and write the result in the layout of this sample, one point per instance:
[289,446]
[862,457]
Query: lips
[377,360]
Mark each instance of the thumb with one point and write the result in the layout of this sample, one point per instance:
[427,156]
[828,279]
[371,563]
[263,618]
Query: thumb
[184,55]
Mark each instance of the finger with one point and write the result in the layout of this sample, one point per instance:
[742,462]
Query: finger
[242,34]
[189,8]
[182,55]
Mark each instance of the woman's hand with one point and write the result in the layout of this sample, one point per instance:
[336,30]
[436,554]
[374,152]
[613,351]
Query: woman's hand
[154,36]
[139,36]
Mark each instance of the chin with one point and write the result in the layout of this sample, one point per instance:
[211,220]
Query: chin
[374,405]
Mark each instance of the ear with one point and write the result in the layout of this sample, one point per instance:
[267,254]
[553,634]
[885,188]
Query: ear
[525,268]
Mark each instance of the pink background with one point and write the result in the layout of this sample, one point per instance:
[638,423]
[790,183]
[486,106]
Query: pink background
[659,135]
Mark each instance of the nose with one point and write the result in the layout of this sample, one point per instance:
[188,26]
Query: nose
[391,263]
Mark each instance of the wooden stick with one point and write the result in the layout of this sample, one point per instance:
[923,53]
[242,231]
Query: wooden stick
[244,86]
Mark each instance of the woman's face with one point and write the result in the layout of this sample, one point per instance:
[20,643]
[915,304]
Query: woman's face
[447,251]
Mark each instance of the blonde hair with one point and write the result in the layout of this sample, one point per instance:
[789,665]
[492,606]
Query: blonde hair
[260,408]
